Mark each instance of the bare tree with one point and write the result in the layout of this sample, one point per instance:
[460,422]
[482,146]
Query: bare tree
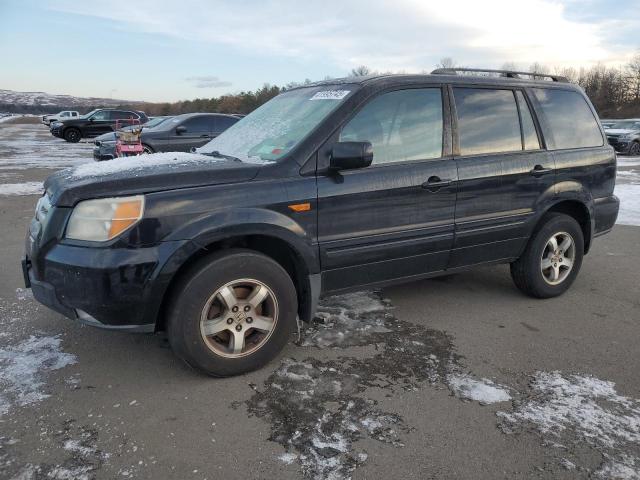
[361,71]
[447,62]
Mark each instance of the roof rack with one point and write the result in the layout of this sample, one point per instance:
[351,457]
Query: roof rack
[504,73]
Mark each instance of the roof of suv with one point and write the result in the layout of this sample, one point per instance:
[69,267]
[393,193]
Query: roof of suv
[448,76]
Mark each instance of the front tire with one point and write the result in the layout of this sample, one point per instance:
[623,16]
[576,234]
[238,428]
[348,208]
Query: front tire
[232,313]
[72,135]
[552,259]
[634,149]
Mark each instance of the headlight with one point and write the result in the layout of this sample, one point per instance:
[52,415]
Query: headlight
[628,136]
[105,218]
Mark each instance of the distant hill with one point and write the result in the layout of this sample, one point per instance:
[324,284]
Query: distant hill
[41,102]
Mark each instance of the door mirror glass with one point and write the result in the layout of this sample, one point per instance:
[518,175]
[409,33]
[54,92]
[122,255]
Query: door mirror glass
[350,155]
[181,129]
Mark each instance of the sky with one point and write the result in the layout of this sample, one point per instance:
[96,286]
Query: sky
[158,50]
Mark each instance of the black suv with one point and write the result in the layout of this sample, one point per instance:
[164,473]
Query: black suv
[335,186]
[95,123]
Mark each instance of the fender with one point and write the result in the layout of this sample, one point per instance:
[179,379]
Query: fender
[194,236]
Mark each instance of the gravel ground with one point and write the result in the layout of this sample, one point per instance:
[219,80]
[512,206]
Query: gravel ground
[455,377]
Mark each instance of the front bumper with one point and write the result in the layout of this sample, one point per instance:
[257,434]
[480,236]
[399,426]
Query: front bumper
[113,288]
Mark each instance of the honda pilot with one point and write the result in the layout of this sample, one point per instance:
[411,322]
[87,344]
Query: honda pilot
[335,186]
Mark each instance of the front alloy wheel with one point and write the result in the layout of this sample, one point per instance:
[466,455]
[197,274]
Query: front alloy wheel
[239,318]
[232,312]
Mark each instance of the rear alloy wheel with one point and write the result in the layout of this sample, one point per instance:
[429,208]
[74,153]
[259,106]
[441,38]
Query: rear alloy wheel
[72,135]
[634,149]
[552,259]
[232,312]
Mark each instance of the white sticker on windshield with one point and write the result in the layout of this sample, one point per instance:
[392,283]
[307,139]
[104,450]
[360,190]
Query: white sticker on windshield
[330,95]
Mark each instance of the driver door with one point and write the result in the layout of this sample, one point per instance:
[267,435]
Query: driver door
[395,218]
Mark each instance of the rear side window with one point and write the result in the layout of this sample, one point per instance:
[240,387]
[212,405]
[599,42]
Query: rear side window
[401,126]
[569,117]
[487,121]
[529,135]
[122,115]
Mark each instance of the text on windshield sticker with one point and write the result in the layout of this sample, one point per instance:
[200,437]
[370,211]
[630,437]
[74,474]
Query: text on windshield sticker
[330,95]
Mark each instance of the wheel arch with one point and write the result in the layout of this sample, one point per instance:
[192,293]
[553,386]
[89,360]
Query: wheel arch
[580,212]
[295,256]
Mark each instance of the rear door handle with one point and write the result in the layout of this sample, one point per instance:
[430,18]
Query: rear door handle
[435,183]
[539,170]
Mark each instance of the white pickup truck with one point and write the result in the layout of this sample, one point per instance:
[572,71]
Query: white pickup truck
[64,115]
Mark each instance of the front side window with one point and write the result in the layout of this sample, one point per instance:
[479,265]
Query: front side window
[569,118]
[101,115]
[200,124]
[487,121]
[270,132]
[403,125]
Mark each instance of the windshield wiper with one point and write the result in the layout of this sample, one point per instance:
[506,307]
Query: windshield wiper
[217,154]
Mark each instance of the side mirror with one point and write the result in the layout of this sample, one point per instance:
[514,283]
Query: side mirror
[350,155]
[92,119]
[181,129]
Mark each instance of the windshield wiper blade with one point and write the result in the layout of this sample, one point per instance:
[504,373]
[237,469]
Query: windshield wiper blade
[217,154]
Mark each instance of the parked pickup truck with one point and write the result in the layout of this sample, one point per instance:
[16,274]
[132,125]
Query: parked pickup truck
[64,115]
[335,186]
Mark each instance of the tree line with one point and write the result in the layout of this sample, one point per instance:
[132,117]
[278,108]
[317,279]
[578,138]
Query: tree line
[614,91]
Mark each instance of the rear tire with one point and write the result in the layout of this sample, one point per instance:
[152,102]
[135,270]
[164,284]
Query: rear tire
[232,313]
[552,259]
[72,135]
[147,150]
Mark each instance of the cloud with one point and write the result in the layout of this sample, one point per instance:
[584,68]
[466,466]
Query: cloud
[403,35]
[208,81]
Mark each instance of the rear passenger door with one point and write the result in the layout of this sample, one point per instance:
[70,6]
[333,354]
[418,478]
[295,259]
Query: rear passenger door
[393,219]
[503,173]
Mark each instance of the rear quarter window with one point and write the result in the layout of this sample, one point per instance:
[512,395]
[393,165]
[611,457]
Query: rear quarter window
[569,118]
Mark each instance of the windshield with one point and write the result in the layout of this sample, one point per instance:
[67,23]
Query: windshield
[87,115]
[273,130]
[154,122]
[624,125]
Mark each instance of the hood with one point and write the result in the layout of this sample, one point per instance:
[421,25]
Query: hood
[619,131]
[106,137]
[143,174]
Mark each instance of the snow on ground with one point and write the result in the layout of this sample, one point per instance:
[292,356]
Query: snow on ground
[24,367]
[25,146]
[26,188]
[582,408]
[629,196]
[483,390]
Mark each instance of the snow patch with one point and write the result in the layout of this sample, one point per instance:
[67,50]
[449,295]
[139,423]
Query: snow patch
[582,408]
[483,391]
[139,163]
[629,195]
[24,366]
[26,188]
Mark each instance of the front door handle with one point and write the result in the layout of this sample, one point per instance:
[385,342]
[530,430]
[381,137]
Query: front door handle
[435,183]
[204,136]
[539,170]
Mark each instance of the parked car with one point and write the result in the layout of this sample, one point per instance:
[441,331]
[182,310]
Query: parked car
[331,187]
[624,135]
[63,115]
[179,134]
[105,144]
[94,123]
